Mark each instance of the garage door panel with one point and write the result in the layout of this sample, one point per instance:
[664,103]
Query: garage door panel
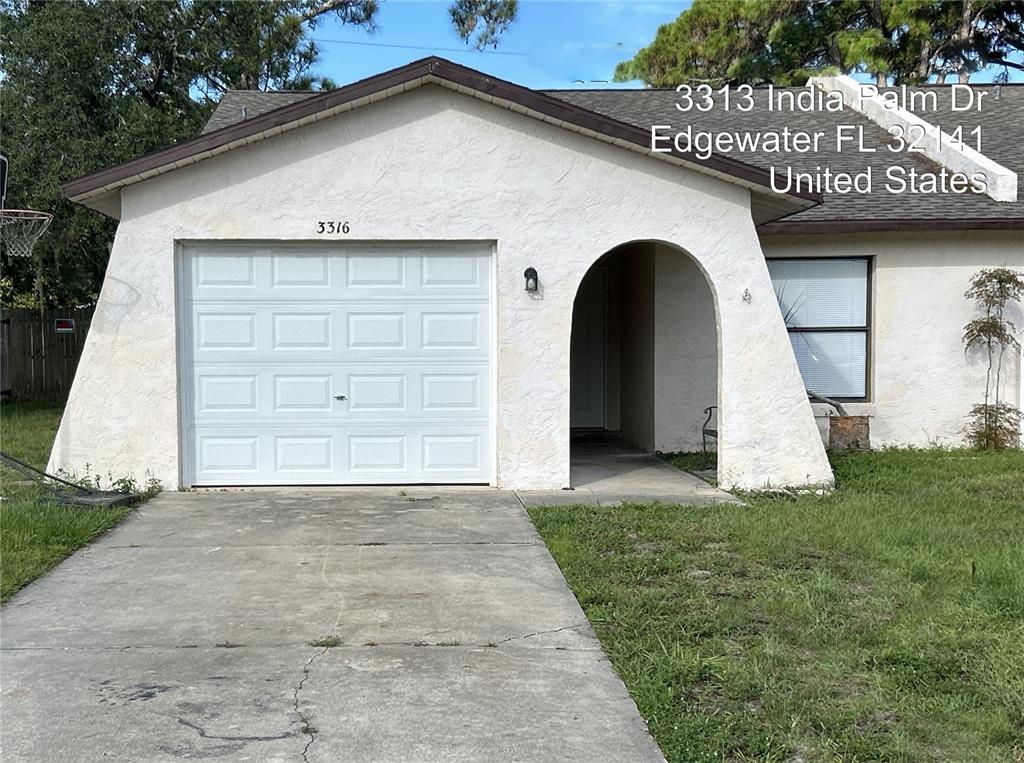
[371,392]
[304,453]
[229,454]
[360,455]
[301,330]
[228,269]
[254,393]
[454,391]
[223,330]
[418,394]
[303,272]
[450,330]
[454,273]
[419,331]
[227,393]
[407,332]
[370,330]
[451,453]
[412,393]
[275,335]
[373,271]
[231,271]
[309,392]
[375,453]
[233,455]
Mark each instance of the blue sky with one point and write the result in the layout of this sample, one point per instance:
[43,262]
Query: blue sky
[551,44]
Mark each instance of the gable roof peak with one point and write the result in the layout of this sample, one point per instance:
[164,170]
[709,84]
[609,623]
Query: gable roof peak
[434,69]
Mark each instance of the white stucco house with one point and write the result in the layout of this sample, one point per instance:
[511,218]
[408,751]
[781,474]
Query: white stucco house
[435,276]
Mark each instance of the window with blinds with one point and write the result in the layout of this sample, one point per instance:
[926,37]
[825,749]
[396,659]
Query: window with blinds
[825,305]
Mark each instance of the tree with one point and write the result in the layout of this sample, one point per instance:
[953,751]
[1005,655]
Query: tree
[495,15]
[994,424]
[264,45]
[91,83]
[785,41]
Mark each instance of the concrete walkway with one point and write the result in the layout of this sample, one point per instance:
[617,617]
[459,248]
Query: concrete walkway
[607,471]
[312,625]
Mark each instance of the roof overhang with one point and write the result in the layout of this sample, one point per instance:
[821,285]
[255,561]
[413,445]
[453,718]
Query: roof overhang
[894,225]
[100,190]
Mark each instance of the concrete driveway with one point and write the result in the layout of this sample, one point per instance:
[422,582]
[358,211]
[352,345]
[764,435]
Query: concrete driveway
[312,625]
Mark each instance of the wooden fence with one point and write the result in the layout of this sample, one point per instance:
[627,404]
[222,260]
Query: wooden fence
[38,362]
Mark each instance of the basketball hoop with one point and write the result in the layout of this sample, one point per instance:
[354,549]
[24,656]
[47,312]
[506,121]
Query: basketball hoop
[20,229]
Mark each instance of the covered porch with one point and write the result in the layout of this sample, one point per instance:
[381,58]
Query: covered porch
[657,354]
[643,358]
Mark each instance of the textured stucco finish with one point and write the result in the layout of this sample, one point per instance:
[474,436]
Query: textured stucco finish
[662,347]
[637,371]
[922,383]
[686,352]
[434,165]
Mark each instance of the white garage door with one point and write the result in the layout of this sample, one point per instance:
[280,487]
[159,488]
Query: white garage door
[336,364]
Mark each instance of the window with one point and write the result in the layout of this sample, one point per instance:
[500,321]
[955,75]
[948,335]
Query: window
[825,306]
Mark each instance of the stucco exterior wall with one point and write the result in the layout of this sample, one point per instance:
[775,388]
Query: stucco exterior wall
[686,351]
[431,164]
[921,384]
[613,390]
[636,372]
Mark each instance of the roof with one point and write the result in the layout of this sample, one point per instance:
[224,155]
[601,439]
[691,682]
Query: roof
[1002,127]
[97,187]
[1001,121]
[238,105]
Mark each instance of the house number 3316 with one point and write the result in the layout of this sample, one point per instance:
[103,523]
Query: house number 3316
[332,226]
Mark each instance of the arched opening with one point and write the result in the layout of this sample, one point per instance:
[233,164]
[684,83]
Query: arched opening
[643,364]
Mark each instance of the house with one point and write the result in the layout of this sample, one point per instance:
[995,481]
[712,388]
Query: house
[436,276]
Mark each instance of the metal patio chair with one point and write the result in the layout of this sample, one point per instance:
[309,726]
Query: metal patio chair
[707,431]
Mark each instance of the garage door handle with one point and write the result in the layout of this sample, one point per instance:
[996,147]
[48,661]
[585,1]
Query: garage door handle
[340,397]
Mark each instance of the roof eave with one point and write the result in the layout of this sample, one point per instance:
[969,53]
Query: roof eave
[897,225]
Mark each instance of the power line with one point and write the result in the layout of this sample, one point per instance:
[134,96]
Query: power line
[418,47]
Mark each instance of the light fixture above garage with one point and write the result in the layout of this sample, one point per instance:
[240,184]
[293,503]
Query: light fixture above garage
[531,279]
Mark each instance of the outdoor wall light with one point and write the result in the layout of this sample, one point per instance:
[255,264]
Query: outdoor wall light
[531,279]
[746,296]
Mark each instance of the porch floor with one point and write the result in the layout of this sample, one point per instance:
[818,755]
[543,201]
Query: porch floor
[606,470]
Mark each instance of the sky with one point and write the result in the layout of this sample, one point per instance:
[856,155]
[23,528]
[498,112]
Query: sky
[550,45]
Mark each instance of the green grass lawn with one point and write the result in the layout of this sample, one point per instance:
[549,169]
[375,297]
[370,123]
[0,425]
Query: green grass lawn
[884,622]
[35,536]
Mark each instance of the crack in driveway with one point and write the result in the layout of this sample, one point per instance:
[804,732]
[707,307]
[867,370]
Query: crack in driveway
[307,728]
[204,734]
[539,633]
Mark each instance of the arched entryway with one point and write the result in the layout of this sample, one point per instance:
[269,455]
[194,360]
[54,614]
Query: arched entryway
[643,355]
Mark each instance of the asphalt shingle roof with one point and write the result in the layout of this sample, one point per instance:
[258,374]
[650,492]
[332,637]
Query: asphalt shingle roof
[1001,120]
[1002,127]
[238,105]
